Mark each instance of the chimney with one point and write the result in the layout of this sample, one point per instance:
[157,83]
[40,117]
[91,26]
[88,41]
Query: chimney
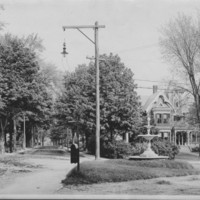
[155,89]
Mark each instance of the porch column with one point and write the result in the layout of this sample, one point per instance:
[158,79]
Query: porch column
[196,137]
[191,137]
[169,136]
[175,137]
[179,139]
[188,138]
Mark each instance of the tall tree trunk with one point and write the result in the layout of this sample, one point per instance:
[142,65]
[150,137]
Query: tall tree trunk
[32,137]
[86,141]
[2,139]
[24,132]
[42,138]
[11,142]
[112,135]
[14,135]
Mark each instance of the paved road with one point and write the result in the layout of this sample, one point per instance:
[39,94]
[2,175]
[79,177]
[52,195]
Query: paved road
[45,180]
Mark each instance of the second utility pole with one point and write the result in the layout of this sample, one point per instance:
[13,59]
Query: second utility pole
[96,43]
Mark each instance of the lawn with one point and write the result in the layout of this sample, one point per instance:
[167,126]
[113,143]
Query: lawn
[188,156]
[14,164]
[14,160]
[120,170]
[48,151]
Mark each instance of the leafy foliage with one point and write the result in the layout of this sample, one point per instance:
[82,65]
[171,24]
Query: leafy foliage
[116,149]
[120,109]
[23,89]
[139,148]
[165,148]
[195,149]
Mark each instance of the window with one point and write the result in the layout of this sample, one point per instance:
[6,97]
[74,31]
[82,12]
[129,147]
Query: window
[177,118]
[166,118]
[158,118]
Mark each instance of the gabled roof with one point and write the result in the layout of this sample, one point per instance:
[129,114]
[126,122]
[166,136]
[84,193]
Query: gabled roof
[154,98]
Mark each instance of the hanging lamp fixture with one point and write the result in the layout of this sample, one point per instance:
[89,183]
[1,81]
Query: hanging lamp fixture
[64,52]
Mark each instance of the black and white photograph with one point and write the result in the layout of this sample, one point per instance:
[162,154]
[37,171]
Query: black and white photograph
[100,99]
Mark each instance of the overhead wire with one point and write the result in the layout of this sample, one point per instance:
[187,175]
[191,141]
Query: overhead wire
[144,80]
[136,48]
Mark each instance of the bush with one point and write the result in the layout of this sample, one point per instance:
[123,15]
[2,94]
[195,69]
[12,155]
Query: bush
[91,145]
[115,149]
[110,149]
[138,148]
[195,149]
[121,149]
[165,148]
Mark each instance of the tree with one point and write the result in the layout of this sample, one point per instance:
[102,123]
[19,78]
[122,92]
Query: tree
[53,77]
[22,87]
[120,109]
[180,44]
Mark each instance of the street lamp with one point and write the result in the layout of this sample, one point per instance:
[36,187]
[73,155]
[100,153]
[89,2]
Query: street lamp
[64,52]
[96,43]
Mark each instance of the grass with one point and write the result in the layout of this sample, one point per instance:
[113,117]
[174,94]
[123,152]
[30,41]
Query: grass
[52,152]
[15,160]
[188,156]
[119,170]
[14,164]
[48,151]
[163,182]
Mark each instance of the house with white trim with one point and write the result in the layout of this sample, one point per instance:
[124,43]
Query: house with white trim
[168,117]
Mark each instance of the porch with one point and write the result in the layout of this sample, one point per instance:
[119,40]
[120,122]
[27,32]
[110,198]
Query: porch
[179,136]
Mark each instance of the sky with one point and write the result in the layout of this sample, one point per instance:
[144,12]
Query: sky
[132,30]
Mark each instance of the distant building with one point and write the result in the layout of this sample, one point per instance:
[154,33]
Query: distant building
[167,113]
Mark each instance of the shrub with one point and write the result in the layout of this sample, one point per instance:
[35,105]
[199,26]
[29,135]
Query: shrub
[91,145]
[165,148]
[115,149]
[122,149]
[138,148]
[110,149]
[195,149]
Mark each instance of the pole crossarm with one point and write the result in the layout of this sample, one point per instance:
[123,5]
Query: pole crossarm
[84,26]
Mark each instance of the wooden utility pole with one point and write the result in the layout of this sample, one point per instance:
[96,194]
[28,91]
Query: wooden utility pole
[97,94]
[96,43]
[24,138]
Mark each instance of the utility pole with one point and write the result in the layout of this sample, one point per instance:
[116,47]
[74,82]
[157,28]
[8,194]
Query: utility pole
[97,94]
[96,43]
[24,138]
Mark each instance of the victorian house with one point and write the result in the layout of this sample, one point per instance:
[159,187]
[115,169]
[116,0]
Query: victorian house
[167,112]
